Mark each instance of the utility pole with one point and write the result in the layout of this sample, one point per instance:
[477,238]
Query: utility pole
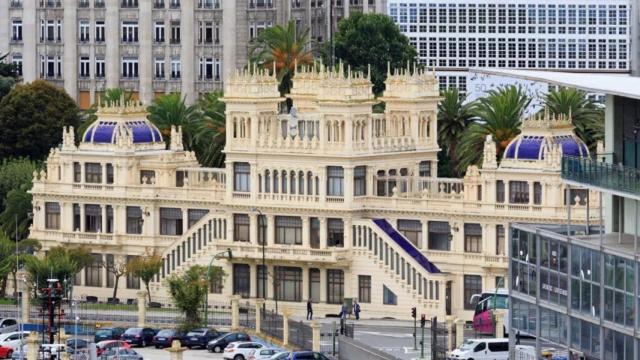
[423,320]
[414,315]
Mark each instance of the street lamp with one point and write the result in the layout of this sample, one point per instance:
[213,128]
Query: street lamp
[264,265]
[220,255]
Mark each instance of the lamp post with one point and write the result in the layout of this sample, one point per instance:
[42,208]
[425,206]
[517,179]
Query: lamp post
[206,294]
[264,265]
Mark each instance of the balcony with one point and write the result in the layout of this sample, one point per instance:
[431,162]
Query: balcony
[602,175]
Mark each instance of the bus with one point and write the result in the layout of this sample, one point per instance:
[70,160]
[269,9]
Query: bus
[486,302]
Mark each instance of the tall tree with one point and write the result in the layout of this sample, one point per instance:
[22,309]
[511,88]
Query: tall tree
[499,114]
[15,219]
[37,110]
[8,76]
[146,267]
[371,39]
[16,174]
[12,258]
[282,47]
[118,268]
[587,118]
[189,290]
[60,262]
[454,114]
[209,131]
[171,110]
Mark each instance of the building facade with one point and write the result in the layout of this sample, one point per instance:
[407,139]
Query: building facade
[151,47]
[574,35]
[341,202]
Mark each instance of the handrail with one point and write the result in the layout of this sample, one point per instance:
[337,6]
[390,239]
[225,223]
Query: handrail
[411,250]
[601,174]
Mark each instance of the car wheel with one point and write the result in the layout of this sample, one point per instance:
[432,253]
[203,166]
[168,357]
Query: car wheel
[238,357]
[9,354]
[217,349]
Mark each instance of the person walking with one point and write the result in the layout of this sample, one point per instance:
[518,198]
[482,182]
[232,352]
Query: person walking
[356,310]
[309,310]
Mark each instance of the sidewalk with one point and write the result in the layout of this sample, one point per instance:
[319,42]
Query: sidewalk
[364,322]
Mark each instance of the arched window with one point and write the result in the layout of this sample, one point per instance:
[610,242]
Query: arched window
[310,183]
[301,183]
[267,181]
[284,181]
[292,182]
[275,181]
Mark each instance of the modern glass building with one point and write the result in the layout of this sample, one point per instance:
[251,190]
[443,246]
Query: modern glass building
[578,286]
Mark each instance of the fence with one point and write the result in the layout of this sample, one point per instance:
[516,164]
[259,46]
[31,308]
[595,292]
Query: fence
[247,313]
[300,335]
[439,340]
[272,324]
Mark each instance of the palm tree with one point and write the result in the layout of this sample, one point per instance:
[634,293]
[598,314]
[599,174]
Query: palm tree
[282,47]
[587,118]
[499,115]
[453,117]
[171,110]
[209,132]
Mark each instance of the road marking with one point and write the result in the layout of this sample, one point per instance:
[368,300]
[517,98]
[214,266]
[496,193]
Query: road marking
[396,335]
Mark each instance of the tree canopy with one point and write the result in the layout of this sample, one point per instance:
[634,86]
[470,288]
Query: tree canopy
[12,257]
[454,114]
[146,267]
[371,39]
[60,262]
[37,110]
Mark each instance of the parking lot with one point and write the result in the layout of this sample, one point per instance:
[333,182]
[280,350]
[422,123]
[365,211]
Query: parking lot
[152,353]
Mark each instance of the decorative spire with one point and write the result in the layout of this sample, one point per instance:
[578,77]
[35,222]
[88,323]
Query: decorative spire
[176,139]
[489,158]
[68,138]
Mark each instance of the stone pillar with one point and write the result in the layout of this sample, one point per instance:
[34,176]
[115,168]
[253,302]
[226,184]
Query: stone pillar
[235,312]
[26,303]
[425,234]
[315,328]
[185,220]
[82,218]
[450,327]
[286,313]
[187,51]
[254,187]
[70,57]
[259,305]
[112,41]
[30,34]
[176,350]
[146,65]
[323,285]
[348,233]
[63,340]
[253,228]
[270,286]
[499,321]
[142,309]
[323,232]
[253,280]
[32,346]
[459,331]
[103,222]
[305,283]
[271,230]
[306,233]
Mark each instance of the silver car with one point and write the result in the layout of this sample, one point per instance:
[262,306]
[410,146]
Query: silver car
[120,354]
[8,325]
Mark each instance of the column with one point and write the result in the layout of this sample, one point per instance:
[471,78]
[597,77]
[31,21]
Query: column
[145,68]
[187,51]
[176,350]
[370,183]
[5,29]
[82,218]
[286,314]
[459,331]
[30,36]
[425,234]
[254,187]
[306,233]
[348,185]
[315,330]
[322,178]
[323,232]
[228,39]
[531,192]
[348,233]
[259,303]
[271,230]
[112,40]
[103,222]
[26,302]
[365,6]
[185,220]
[235,312]
[142,309]
[305,283]
[346,8]
[253,280]
[253,228]
[32,346]
[323,285]
[270,286]
[70,57]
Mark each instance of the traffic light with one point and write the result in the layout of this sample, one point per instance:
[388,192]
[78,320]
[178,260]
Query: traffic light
[413,312]
[423,320]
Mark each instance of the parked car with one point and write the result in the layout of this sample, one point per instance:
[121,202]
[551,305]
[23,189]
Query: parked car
[120,354]
[200,337]
[102,346]
[280,356]
[79,344]
[165,337]
[8,325]
[6,352]
[139,336]
[46,351]
[12,339]
[240,350]
[217,345]
[307,355]
[108,334]
[482,349]
[262,354]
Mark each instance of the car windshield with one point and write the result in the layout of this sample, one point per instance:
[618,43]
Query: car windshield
[104,332]
[133,331]
[165,333]
[196,333]
[468,345]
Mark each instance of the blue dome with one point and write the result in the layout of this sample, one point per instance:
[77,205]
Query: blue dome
[534,147]
[104,132]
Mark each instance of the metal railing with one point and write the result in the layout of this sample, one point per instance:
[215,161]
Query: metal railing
[272,324]
[247,313]
[602,174]
[300,335]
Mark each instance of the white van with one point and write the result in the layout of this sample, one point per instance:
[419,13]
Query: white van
[482,349]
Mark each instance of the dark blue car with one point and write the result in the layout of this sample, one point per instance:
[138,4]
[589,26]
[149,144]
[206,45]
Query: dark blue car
[164,338]
[200,337]
[307,355]
[138,336]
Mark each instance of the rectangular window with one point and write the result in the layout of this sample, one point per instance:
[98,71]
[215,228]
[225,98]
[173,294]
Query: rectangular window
[288,283]
[500,191]
[518,192]
[92,218]
[314,230]
[159,31]
[335,286]
[388,296]
[314,285]
[195,215]
[133,282]
[360,181]
[130,31]
[99,31]
[100,66]
[84,30]
[93,173]
[241,280]
[176,69]
[241,177]
[76,217]
[335,181]
[175,32]
[52,215]
[412,230]
[241,227]
[364,288]
[85,71]
[500,240]
[425,169]
[288,230]
[439,235]
[473,238]
[537,193]
[335,232]
[170,221]
[261,279]
[93,272]
[16,30]
[109,224]
[129,67]
[472,285]
[159,68]
[134,220]
[77,172]
[147,177]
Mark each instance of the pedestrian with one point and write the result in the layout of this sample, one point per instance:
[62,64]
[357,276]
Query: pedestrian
[356,310]
[344,312]
[309,310]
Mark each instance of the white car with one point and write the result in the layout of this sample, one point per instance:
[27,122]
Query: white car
[240,350]
[12,339]
[482,349]
[262,354]
[8,325]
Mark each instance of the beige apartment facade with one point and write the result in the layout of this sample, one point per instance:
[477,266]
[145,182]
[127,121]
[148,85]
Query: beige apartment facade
[150,46]
[341,202]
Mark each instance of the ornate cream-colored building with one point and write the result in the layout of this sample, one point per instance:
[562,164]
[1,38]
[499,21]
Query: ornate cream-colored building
[346,201]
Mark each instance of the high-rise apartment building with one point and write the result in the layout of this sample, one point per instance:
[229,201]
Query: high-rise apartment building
[151,46]
[574,35]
